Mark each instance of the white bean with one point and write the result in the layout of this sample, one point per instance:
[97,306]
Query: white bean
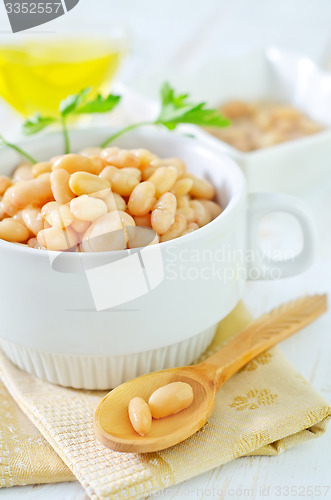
[76,163]
[60,186]
[33,219]
[163,214]
[176,229]
[140,416]
[23,172]
[86,183]
[139,237]
[163,179]
[5,183]
[202,215]
[170,399]
[57,239]
[107,233]
[142,198]
[59,217]
[13,230]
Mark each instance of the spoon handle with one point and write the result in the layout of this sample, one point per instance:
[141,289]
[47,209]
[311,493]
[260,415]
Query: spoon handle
[262,334]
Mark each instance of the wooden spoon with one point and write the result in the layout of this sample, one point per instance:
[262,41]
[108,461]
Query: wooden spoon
[112,424]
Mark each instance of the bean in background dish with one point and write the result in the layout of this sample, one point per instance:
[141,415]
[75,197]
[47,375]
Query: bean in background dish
[257,125]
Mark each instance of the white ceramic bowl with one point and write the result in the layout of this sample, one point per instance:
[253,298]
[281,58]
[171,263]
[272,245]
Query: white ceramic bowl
[94,320]
[293,167]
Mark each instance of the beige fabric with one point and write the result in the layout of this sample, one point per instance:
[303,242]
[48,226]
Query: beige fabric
[264,409]
[25,455]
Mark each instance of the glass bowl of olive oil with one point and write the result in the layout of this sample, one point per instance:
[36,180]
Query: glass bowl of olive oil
[37,73]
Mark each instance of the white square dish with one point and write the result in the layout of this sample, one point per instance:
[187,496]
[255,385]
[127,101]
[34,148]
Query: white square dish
[294,166]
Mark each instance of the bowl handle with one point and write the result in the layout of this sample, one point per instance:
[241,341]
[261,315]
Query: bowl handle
[261,265]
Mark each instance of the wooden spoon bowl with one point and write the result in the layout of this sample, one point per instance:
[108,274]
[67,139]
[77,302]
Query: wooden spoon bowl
[114,429]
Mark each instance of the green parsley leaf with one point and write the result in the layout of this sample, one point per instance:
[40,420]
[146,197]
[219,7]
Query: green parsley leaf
[36,123]
[4,142]
[71,103]
[99,105]
[176,109]
[168,96]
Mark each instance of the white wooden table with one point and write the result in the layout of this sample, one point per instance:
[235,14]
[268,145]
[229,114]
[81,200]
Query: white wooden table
[187,32]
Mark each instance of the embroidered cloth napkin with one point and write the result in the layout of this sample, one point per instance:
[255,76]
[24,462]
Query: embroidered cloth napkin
[263,410]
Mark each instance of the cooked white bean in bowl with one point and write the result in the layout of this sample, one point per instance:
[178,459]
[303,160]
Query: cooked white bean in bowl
[71,202]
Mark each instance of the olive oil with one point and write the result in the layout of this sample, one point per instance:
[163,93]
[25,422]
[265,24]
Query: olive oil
[37,74]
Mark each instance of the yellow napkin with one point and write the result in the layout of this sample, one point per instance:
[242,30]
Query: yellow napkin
[264,409]
[25,455]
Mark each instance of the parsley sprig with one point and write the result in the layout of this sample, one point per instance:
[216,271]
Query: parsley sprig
[177,109]
[4,142]
[76,104]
